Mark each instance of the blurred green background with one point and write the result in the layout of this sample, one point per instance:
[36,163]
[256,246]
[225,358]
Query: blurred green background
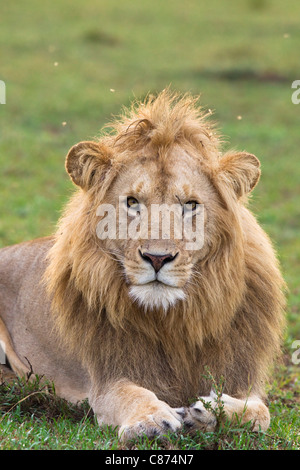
[69,65]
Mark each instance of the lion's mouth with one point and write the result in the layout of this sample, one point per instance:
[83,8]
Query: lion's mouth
[155,282]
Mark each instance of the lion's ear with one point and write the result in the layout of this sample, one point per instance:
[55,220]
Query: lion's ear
[86,161]
[241,171]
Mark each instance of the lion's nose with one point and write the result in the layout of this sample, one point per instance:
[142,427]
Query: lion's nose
[157,261]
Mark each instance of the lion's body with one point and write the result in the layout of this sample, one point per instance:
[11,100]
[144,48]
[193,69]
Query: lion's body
[25,311]
[68,309]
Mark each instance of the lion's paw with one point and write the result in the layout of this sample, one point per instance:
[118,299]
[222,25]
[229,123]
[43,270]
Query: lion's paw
[203,414]
[156,421]
[200,416]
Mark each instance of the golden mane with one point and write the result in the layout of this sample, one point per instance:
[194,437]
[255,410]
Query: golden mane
[162,121]
[90,301]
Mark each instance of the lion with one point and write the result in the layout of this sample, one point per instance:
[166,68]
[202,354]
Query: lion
[134,323]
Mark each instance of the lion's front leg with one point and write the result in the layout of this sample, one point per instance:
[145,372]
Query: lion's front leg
[136,410]
[251,409]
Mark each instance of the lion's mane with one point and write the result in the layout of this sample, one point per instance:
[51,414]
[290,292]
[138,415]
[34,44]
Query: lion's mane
[234,304]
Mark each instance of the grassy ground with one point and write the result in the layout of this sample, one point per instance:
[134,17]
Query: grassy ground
[67,68]
[33,418]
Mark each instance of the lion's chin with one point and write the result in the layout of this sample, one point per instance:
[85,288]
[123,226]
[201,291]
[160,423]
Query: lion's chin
[156,295]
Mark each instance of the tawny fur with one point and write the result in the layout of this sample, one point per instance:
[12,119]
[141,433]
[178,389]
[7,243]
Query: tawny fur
[234,304]
[138,362]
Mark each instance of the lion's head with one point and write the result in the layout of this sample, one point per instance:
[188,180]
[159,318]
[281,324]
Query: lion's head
[163,152]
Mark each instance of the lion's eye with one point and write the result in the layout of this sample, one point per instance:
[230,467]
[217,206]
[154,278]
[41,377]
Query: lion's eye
[132,202]
[191,205]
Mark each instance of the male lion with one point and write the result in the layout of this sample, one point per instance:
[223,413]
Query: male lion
[134,323]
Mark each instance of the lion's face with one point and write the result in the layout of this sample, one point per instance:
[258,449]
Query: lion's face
[162,154]
[159,266]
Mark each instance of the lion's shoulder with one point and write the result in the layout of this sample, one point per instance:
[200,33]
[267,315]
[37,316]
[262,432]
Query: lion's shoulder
[17,261]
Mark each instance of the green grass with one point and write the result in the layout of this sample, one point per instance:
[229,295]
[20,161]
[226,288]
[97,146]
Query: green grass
[33,417]
[59,63]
